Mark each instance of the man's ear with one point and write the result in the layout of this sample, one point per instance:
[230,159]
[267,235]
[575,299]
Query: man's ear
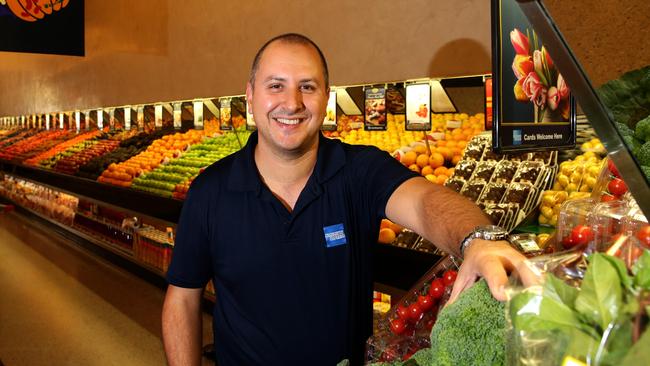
[249,95]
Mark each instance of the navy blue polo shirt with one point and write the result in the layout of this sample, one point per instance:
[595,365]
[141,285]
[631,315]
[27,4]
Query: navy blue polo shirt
[292,287]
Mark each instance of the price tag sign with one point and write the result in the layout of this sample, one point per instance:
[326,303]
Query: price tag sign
[375,109]
[250,119]
[127,118]
[329,123]
[100,119]
[77,120]
[158,116]
[453,124]
[418,107]
[47,122]
[198,114]
[225,109]
[140,118]
[111,118]
[177,116]
[61,124]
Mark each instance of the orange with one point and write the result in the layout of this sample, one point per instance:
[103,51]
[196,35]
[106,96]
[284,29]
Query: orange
[422,160]
[415,168]
[441,179]
[385,223]
[451,171]
[455,159]
[436,160]
[427,170]
[430,178]
[396,228]
[386,236]
[440,170]
[461,137]
[441,143]
[462,144]
[420,149]
[446,152]
[452,144]
[409,158]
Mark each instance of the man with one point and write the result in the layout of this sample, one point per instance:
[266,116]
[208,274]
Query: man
[285,228]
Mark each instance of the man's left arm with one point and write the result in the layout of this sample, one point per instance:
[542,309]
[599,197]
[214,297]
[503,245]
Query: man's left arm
[445,218]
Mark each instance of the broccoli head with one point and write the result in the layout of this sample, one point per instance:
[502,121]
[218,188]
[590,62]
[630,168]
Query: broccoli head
[646,171]
[642,129]
[471,331]
[624,129]
[643,154]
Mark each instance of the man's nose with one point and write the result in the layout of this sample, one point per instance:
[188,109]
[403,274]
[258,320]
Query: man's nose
[293,100]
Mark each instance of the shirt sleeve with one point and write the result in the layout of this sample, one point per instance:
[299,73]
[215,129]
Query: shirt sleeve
[381,174]
[191,265]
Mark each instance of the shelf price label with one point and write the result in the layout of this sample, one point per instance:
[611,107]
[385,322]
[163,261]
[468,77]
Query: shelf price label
[111,118]
[127,118]
[47,122]
[77,120]
[40,121]
[375,109]
[198,114]
[100,119]
[225,111]
[61,120]
[178,113]
[140,118]
[22,121]
[158,116]
[329,123]
[418,107]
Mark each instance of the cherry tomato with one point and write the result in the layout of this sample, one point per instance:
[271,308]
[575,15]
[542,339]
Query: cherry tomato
[449,277]
[617,187]
[568,242]
[403,312]
[607,197]
[644,235]
[437,288]
[612,168]
[582,234]
[397,326]
[415,312]
[426,302]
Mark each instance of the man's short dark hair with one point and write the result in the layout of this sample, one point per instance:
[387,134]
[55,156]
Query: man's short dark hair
[291,38]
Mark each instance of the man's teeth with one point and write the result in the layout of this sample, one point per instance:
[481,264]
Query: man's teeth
[287,121]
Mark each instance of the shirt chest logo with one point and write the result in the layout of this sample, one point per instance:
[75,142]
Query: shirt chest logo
[334,235]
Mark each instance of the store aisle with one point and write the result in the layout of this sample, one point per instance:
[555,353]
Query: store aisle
[60,305]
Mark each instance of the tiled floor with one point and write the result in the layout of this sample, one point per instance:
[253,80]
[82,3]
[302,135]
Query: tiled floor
[60,305]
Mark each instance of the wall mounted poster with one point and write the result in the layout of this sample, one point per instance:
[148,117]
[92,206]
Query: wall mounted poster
[42,26]
[418,107]
[532,106]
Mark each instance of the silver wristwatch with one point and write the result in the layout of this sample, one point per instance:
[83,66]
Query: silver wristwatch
[485,232]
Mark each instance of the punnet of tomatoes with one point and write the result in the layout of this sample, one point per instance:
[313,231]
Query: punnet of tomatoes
[407,326]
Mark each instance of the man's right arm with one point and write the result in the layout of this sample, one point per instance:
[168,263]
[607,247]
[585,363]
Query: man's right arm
[182,325]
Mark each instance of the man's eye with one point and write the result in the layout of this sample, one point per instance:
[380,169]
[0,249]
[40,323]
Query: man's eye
[275,86]
[309,88]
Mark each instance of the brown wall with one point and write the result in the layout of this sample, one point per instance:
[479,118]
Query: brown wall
[147,51]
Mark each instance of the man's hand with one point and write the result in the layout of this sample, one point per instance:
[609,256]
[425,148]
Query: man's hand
[491,260]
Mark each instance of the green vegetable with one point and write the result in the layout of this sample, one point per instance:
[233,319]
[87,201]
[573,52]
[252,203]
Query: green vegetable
[641,271]
[639,354]
[646,170]
[627,98]
[624,129]
[643,154]
[471,331]
[642,129]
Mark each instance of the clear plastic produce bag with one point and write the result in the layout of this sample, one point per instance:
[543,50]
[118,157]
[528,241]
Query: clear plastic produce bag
[407,326]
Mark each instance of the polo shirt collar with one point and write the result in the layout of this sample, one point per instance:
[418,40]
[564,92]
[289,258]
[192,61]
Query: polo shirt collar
[244,175]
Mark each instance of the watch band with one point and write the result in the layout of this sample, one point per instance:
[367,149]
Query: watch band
[488,232]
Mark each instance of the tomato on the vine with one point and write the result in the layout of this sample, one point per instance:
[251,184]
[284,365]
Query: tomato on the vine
[449,277]
[612,168]
[437,288]
[617,187]
[607,197]
[397,326]
[403,312]
[644,235]
[426,302]
[582,234]
[415,312]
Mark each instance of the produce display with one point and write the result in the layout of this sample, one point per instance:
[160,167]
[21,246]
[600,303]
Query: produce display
[161,150]
[627,99]
[506,186]
[35,144]
[131,145]
[169,179]
[153,247]
[10,137]
[60,148]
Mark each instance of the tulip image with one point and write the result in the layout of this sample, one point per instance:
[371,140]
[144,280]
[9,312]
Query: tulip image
[522,65]
[562,88]
[519,42]
[520,96]
[538,62]
[547,58]
[553,98]
[534,89]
